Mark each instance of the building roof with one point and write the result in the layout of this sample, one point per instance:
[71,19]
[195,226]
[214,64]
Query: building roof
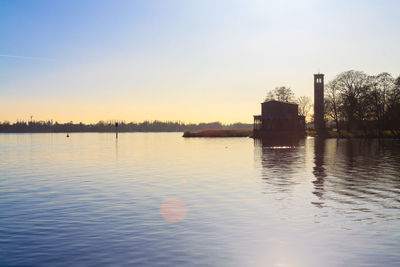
[278,102]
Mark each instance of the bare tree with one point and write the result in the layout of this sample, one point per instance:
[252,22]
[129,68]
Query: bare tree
[381,86]
[353,90]
[332,103]
[393,109]
[385,85]
[305,105]
[283,94]
[270,96]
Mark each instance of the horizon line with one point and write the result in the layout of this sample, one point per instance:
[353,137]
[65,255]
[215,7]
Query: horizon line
[123,121]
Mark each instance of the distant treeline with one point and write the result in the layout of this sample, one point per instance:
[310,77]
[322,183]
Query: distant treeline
[355,101]
[109,126]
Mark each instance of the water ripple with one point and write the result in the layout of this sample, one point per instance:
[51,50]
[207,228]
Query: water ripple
[92,200]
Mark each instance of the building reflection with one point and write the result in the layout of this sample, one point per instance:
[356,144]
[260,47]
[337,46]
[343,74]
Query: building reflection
[284,160]
[291,141]
[280,160]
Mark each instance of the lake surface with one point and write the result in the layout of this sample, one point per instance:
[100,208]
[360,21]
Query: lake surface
[160,199]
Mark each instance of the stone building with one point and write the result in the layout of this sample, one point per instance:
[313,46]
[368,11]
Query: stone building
[278,120]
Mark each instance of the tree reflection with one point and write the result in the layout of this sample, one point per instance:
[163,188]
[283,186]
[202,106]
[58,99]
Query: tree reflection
[363,175]
[350,176]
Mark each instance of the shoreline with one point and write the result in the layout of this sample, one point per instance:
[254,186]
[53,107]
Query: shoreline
[221,133]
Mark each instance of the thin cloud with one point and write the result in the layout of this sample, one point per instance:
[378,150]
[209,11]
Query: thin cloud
[23,57]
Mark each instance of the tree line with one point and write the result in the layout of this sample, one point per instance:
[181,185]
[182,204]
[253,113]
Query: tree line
[285,94]
[109,126]
[356,101]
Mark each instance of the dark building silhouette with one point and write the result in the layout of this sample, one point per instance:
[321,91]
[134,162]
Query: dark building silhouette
[278,120]
[319,122]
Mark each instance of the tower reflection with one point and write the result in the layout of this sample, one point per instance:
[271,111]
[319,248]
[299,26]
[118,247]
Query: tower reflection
[319,169]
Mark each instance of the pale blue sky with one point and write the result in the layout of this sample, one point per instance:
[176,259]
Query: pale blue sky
[181,60]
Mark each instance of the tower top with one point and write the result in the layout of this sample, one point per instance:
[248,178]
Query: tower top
[319,75]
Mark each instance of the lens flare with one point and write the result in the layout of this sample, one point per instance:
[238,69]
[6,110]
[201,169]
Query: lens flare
[173,209]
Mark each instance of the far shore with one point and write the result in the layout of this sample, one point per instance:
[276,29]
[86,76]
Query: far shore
[210,133]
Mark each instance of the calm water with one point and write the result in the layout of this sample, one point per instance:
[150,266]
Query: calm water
[159,199]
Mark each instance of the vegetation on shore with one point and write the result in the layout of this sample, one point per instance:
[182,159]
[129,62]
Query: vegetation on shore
[109,126]
[285,94]
[364,105]
[358,104]
[219,133]
[355,134]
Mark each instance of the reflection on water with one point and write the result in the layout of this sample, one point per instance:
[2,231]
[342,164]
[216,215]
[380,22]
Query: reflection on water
[366,177]
[354,184]
[361,175]
[280,162]
[159,199]
[319,168]
[283,142]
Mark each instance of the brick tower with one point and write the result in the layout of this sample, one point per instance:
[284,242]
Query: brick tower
[319,122]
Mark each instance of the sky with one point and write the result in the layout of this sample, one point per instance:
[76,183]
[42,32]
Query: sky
[193,61]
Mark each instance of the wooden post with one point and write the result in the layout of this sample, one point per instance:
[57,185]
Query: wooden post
[116,130]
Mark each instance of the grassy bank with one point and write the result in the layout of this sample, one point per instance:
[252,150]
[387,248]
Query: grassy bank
[219,133]
[356,134]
